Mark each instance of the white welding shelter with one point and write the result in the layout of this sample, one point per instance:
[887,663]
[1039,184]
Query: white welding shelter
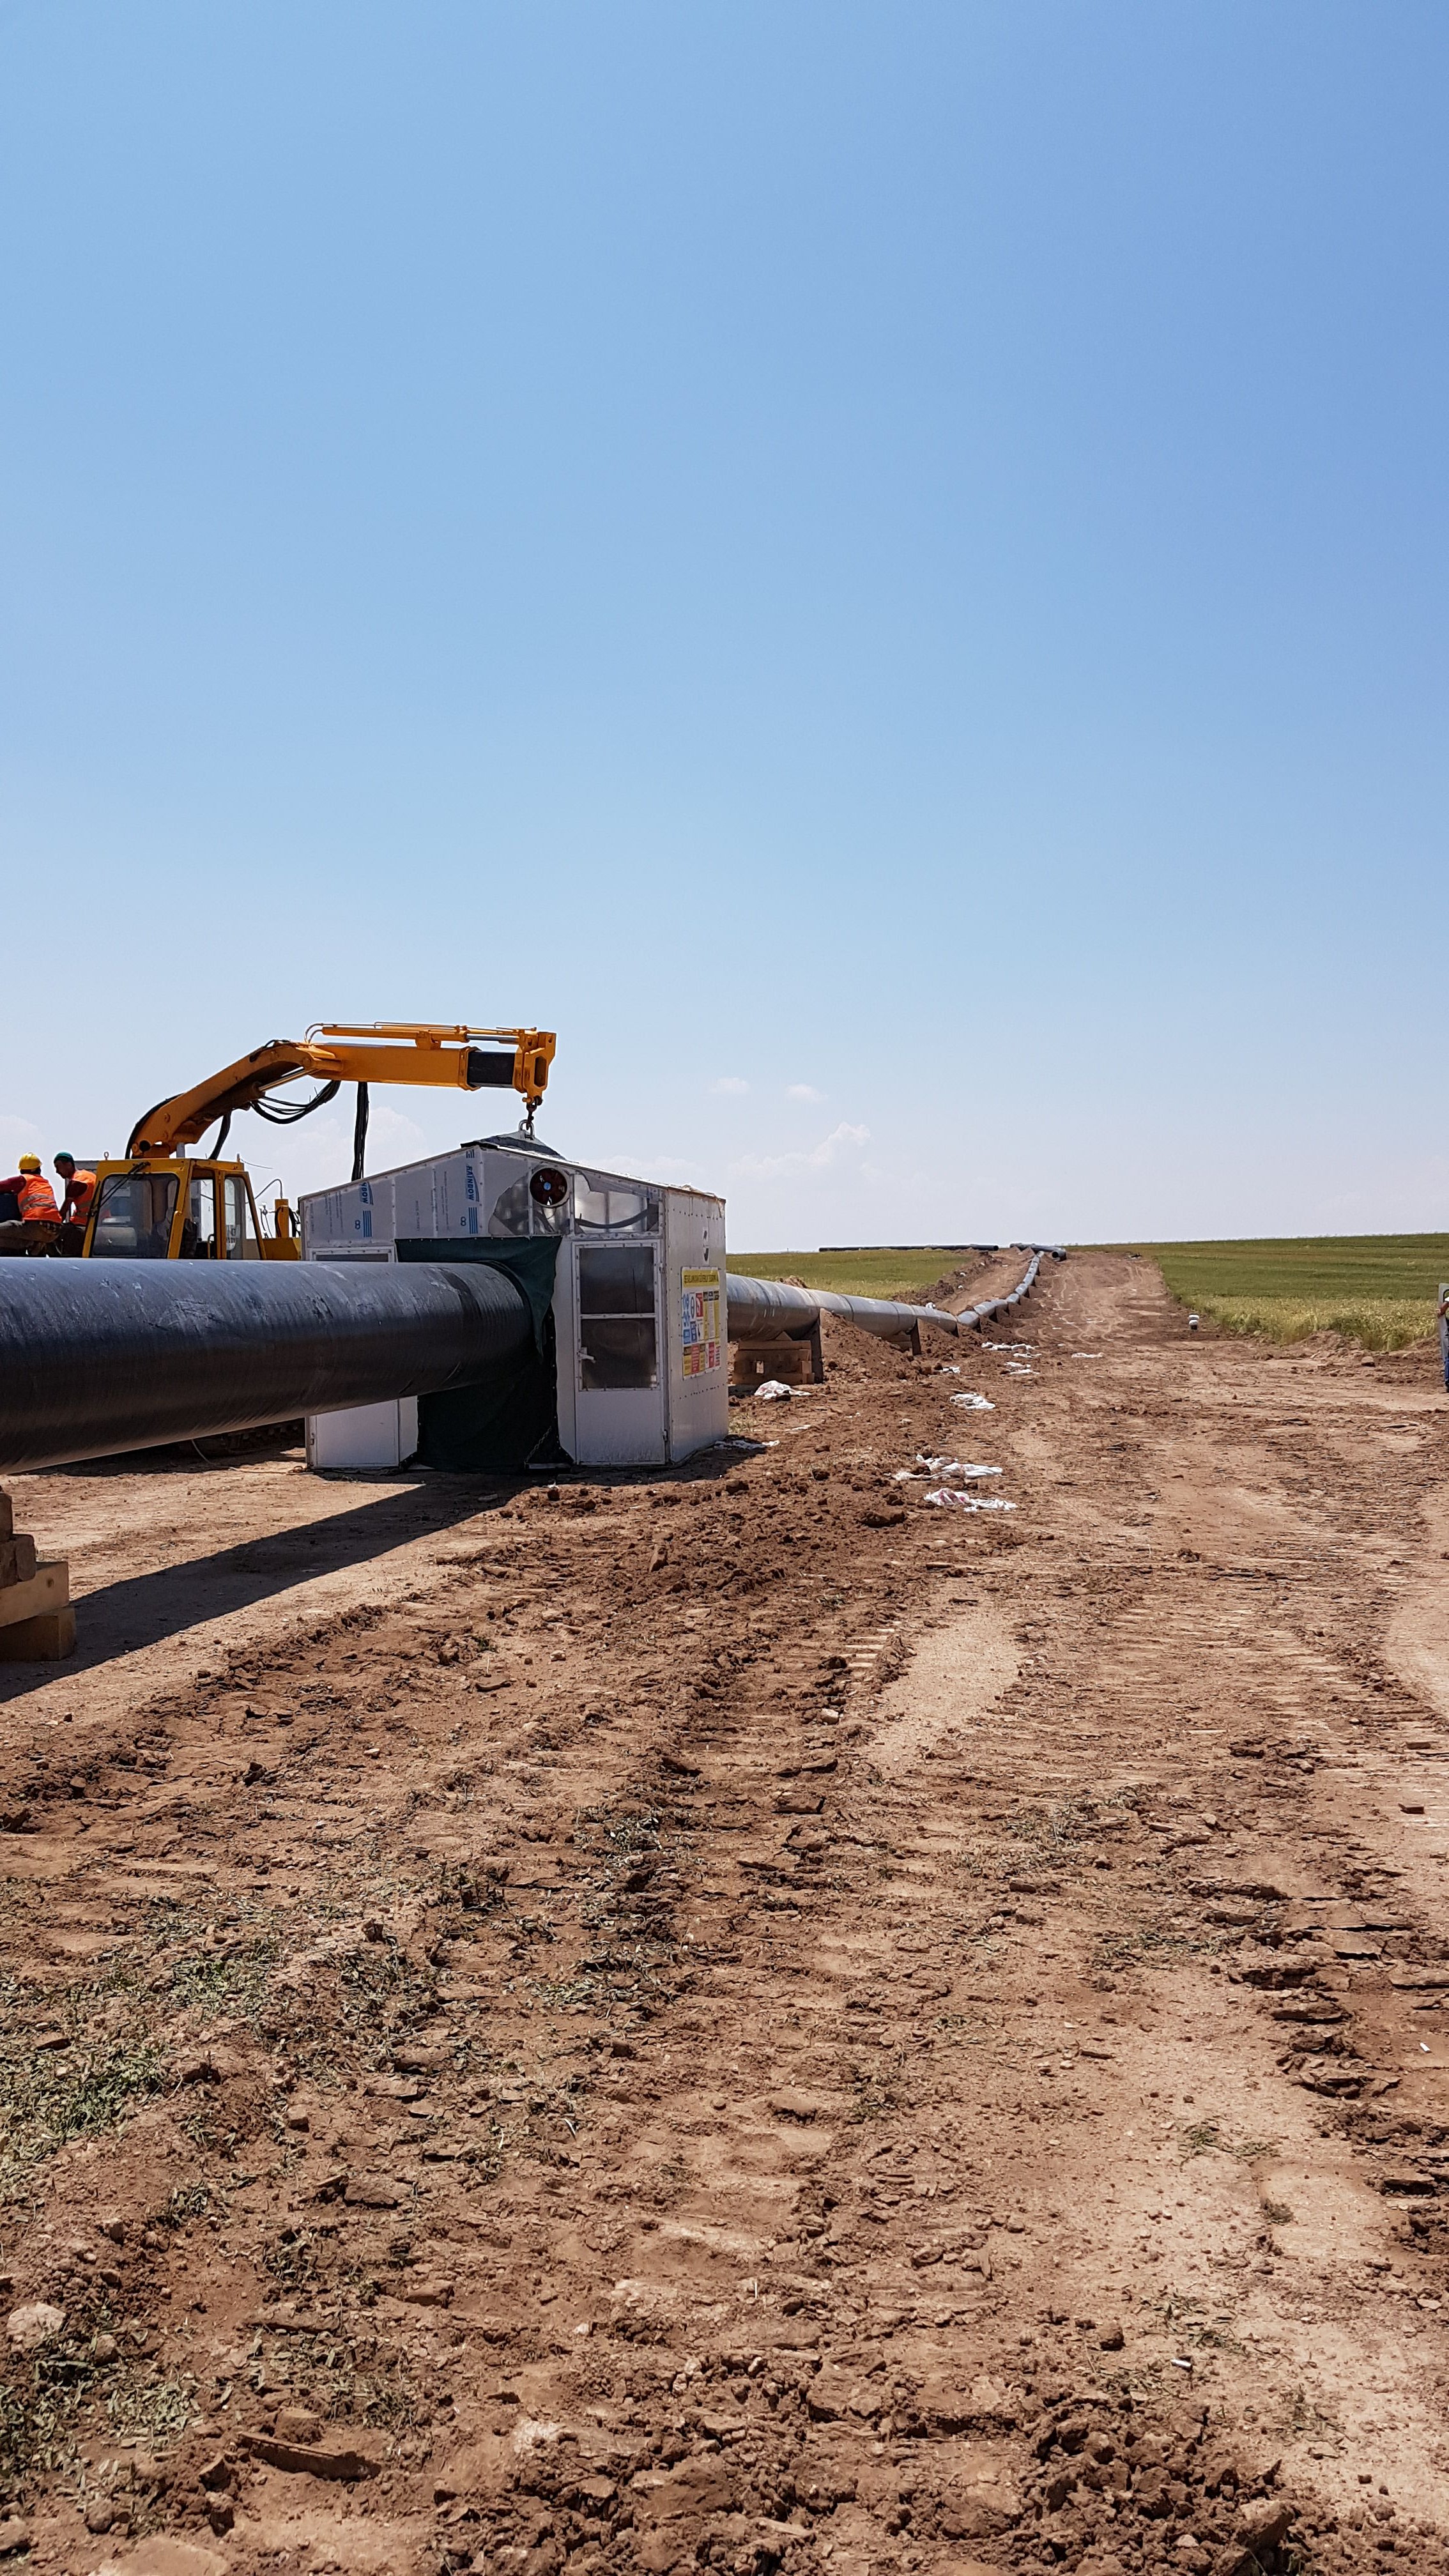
[626,1281]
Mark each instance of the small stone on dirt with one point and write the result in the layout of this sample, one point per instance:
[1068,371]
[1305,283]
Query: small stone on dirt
[36,2324]
[1263,2524]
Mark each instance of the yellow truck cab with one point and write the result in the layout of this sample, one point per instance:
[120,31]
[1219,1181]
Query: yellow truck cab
[165,1207]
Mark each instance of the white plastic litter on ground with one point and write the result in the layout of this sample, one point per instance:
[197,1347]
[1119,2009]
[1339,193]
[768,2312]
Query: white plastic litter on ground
[975,1403]
[970,1502]
[952,1466]
[774,1391]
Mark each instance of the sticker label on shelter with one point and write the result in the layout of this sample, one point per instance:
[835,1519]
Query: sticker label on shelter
[699,1321]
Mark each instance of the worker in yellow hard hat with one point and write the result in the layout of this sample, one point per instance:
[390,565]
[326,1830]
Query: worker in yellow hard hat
[36,1228]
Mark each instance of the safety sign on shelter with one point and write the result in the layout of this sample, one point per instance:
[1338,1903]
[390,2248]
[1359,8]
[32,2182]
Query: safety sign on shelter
[700,1321]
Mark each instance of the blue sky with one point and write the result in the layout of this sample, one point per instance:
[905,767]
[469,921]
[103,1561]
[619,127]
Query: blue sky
[879,568]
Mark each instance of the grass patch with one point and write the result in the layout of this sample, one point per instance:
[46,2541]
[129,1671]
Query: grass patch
[327,2371]
[39,2404]
[1051,1829]
[1187,2321]
[381,1990]
[1376,1289]
[872,1271]
[1143,1945]
[1205,2138]
[156,2407]
[46,2100]
[235,1982]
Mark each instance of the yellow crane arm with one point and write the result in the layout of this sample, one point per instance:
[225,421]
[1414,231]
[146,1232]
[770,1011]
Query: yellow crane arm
[387,1051]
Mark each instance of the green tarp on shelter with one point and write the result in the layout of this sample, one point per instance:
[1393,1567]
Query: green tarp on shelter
[497,1428]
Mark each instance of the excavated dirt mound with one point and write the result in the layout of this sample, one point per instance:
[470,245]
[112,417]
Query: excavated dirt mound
[748,2019]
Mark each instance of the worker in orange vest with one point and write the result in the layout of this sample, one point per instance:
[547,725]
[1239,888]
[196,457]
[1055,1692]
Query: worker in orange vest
[37,1228]
[80,1188]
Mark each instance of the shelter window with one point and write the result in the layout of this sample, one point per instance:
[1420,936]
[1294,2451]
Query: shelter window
[618,1331]
[602,1207]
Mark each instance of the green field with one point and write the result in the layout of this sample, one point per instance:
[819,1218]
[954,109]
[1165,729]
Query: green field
[871,1272]
[1378,1289]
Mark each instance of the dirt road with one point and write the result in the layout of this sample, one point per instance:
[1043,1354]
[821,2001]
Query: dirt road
[751,2021]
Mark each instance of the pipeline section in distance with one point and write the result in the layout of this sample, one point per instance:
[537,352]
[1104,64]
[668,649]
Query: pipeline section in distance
[770,1309]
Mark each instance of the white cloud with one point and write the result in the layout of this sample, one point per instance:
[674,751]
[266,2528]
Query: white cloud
[731,1083]
[802,1091]
[636,1162]
[666,1167]
[819,1158]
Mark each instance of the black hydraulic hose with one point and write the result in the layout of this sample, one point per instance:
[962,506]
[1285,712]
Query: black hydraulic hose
[100,1356]
[285,1113]
[359,1131]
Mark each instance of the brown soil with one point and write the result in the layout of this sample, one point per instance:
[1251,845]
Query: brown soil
[744,2020]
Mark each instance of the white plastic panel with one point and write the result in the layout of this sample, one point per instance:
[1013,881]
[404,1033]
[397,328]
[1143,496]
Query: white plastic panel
[697,1356]
[356,1216]
[363,1436]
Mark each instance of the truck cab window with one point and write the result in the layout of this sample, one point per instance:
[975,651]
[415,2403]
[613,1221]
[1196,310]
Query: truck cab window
[198,1235]
[133,1216]
[241,1234]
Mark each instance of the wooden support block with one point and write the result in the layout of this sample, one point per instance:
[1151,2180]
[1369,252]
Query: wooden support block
[47,1590]
[7,1514]
[41,1640]
[17,1559]
[751,1363]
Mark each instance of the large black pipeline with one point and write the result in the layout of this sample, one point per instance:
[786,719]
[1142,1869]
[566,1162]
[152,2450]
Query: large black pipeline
[102,1356]
[770,1309]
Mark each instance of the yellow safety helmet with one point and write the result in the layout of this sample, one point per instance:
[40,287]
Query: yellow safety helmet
[30,1162]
